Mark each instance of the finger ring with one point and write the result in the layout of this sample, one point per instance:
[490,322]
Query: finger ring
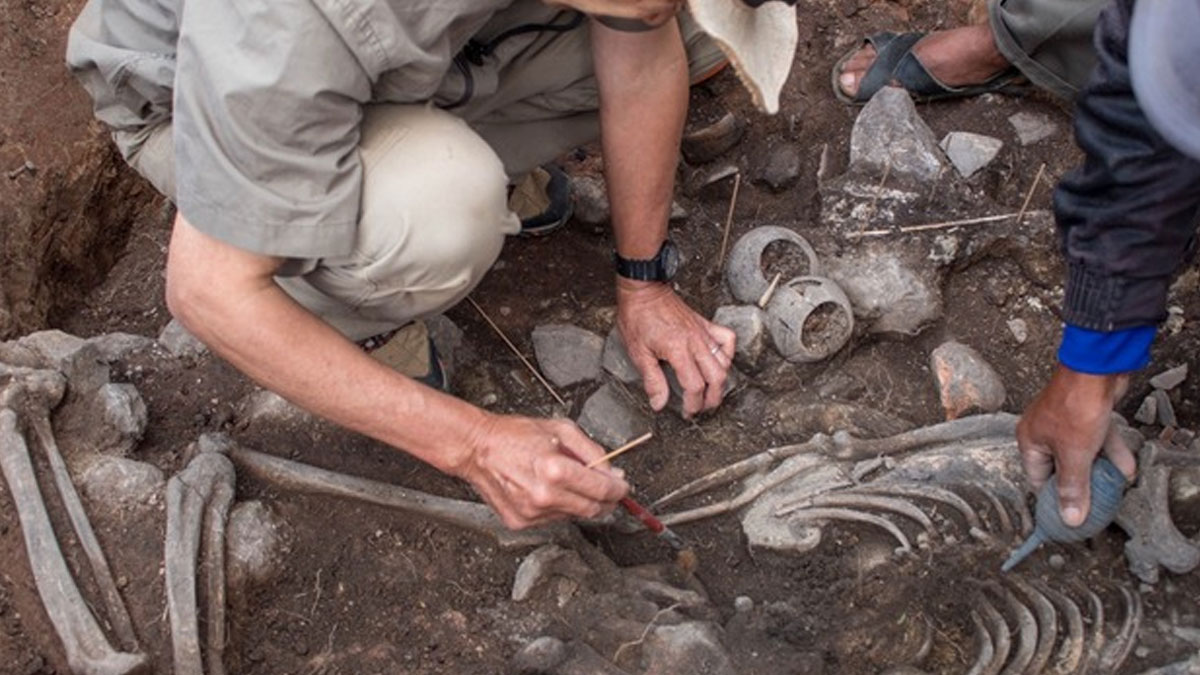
[714,350]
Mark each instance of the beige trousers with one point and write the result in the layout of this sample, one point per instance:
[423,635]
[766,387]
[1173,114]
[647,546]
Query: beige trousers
[434,208]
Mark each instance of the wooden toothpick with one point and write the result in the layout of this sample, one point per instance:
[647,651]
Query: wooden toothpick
[628,446]
[516,351]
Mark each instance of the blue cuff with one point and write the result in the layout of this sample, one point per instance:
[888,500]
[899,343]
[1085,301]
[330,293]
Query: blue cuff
[1104,353]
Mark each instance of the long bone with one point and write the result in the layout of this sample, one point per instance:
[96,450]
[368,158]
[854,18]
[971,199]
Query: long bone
[1070,654]
[1047,624]
[468,515]
[1118,650]
[87,649]
[846,447]
[201,492]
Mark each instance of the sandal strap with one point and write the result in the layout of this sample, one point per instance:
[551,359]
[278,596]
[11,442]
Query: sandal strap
[891,50]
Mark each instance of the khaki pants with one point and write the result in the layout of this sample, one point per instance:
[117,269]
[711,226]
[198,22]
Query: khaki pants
[434,208]
[1049,41]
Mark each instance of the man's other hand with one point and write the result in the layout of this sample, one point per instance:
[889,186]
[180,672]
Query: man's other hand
[1063,430]
[532,471]
[656,324]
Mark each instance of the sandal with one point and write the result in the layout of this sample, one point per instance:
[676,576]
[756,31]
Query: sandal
[895,62]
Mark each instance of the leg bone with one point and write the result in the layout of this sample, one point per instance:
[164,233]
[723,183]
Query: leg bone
[469,515]
[88,650]
[189,495]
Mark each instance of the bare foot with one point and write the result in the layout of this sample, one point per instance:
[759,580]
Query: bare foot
[958,57]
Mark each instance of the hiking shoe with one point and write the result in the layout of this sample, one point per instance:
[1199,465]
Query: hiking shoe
[542,200]
[409,351]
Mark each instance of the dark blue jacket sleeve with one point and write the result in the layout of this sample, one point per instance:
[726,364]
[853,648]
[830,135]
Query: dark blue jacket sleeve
[1128,215]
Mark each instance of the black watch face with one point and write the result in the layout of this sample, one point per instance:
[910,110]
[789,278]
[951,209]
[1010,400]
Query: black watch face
[670,260]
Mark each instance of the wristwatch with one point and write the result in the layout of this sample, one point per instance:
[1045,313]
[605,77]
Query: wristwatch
[662,267]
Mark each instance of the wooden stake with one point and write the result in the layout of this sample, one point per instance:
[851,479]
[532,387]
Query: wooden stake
[1029,195]
[767,294]
[621,450]
[737,184]
[937,226]
[516,351]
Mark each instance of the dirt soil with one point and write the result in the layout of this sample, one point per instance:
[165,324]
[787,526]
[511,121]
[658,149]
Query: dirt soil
[365,591]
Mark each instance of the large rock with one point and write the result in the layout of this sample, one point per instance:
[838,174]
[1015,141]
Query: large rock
[781,167]
[122,418]
[693,647]
[889,290]
[69,200]
[543,563]
[749,323]
[616,360]
[611,419]
[567,354]
[118,483]
[890,136]
[254,543]
[970,152]
[1169,379]
[966,382]
[177,340]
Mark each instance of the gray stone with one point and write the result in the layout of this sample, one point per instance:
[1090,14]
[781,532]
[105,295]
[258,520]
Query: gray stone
[254,544]
[177,340]
[743,603]
[888,294]
[124,417]
[567,354]
[782,166]
[692,647]
[1057,561]
[970,152]
[539,657]
[611,419]
[72,356]
[119,483]
[1147,412]
[1032,127]
[749,323]
[890,133]
[583,660]
[706,144]
[450,342]
[1166,411]
[616,360]
[1019,330]
[965,381]
[1169,379]
[116,346]
[266,406]
[545,562]
[591,200]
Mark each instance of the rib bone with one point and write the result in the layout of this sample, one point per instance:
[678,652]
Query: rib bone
[933,493]
[1047,624]
[88,650]
[1118,650]
[206,485]
[1027,632]
[998,629]
[469,515]
[987,652]
[860,501]
[857,517]
[1070,654]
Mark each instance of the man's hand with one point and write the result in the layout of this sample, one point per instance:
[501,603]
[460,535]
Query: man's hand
[1063,430]
[657,324]
[532,471]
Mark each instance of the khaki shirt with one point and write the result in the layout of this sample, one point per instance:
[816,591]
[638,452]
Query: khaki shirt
[266,98]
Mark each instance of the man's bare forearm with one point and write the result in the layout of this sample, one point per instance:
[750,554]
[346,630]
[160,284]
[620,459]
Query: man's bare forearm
[228,298]
[643,102]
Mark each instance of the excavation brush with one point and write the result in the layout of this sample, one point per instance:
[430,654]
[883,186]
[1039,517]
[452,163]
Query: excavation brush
[1108,486]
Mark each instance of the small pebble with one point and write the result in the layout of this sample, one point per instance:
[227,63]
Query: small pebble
[743,603]
[1057,561]
[1169,379]
[1141,652]
[1147,412]
[489,399]
[1019,330]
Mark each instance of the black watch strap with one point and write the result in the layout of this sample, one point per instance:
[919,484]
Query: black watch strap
[643,269]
